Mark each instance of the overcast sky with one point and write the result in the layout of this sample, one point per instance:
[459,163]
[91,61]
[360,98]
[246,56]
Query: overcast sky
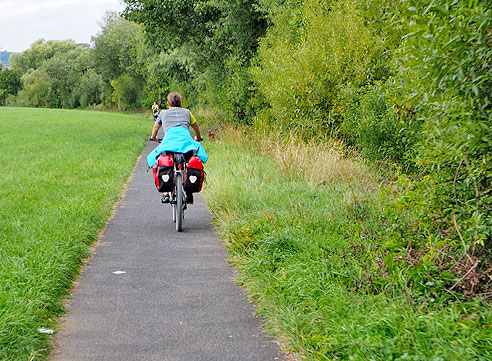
[22,22]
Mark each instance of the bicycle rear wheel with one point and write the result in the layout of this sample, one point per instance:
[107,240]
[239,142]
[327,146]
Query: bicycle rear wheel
[178,207]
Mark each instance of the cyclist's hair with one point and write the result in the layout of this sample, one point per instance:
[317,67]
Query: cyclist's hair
[174,99]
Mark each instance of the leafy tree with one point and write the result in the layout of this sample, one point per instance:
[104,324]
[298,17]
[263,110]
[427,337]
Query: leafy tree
[89,90]
[171,23]
[157,84]
[55,81]
[64,74]
[10,84]
[51,71]
[39,52]
[208,36]
[120,56]
[313,51]
[235,44]
[116,47]
[65,71]
[36,89]
[127,92]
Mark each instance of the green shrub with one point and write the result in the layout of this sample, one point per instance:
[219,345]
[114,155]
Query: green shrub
[89,90]
[310,55]
[10,84]
[376,123]
[447,209]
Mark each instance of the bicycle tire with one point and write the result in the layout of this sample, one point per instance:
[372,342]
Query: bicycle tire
[174,212]
[179,202]
[173,204]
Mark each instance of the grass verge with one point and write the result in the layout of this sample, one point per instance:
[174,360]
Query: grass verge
[304,235]
[61,174]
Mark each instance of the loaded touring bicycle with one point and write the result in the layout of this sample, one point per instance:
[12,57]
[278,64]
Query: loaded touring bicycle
[181,175]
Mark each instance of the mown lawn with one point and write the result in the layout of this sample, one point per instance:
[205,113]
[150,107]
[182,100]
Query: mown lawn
[61,172]
[304,250]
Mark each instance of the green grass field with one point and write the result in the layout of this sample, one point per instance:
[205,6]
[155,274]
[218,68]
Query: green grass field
[302,249]
[61,172]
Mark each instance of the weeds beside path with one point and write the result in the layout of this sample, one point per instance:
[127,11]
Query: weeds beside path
[305,248]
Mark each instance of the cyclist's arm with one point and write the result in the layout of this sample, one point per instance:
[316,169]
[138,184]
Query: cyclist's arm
[156,128]
[197,131]
[195,127]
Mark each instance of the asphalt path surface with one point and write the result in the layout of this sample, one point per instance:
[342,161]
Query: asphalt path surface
[151,293]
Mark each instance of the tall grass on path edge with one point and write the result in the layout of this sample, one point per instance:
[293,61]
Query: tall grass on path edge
[62,171]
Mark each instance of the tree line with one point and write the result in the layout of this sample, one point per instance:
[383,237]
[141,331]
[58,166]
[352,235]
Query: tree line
[109,73]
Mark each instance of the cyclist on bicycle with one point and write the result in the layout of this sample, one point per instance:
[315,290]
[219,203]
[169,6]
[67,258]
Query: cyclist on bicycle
[176,122]
[155,111]
[175,116]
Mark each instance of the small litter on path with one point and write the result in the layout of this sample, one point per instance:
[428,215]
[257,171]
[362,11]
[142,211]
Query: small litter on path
[46,330]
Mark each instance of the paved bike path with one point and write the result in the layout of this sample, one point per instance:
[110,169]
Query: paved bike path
[176,299]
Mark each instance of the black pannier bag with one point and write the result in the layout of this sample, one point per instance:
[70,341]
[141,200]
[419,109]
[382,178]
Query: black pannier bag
[193,175]
[163,173]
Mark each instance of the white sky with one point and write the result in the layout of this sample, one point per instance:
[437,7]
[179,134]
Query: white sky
[22,22]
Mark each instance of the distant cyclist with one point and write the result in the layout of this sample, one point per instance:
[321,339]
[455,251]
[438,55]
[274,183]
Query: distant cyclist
[155,111]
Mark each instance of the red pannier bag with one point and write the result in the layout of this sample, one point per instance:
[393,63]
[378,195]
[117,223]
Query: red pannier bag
[163,173]
[194,175]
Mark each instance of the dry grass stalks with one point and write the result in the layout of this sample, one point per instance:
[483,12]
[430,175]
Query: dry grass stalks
[322,162]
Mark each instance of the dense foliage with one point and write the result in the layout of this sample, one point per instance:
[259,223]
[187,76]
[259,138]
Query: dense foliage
[408,83]
[10,84]
[405,84]
[206,48]
[446,59]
